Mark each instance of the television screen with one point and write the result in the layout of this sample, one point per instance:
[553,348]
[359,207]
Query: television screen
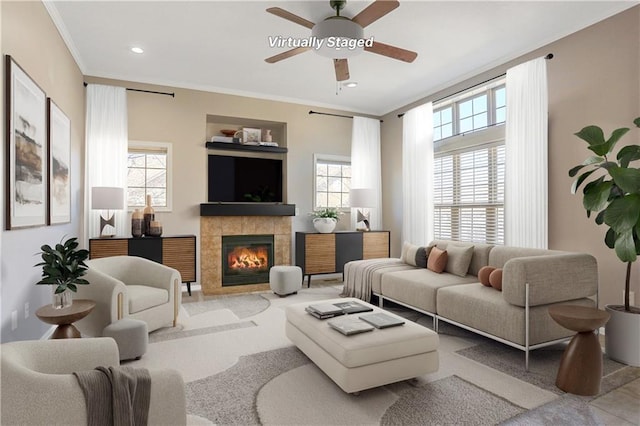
[244,179]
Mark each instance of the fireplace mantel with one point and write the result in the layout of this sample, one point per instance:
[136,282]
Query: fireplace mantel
[247,209]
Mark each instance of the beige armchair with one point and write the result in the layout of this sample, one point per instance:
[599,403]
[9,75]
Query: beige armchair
[38,387]
[133,287]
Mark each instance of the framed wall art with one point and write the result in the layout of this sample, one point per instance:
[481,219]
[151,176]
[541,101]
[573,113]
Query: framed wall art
[26,151]
[59,147]
[250,135]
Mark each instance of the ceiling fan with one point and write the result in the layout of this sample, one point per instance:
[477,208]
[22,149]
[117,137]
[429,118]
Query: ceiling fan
[339,37]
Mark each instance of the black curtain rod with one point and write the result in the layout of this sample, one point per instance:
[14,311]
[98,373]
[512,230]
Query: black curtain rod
[549,56]
[333,115]
[173,95]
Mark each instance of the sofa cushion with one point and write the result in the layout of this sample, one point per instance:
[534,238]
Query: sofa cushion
[437,260]
[458,259]
[495,279]
[485,309]
[418,287]
[480,256]
[483,275]
[142,297]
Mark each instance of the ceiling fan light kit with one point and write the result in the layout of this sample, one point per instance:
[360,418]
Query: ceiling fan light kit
[341,38]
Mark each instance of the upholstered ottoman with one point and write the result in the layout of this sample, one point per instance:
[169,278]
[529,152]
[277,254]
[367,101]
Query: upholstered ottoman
[285,280]
[131,335]
[366,360]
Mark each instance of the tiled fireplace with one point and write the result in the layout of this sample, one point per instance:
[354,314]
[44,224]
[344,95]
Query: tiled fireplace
[214,251]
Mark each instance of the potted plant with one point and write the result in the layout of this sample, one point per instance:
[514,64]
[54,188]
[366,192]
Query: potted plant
[62,267]
[613,192]
[325,219]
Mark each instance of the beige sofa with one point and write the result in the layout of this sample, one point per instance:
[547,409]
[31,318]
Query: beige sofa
[533,280]
[38,387]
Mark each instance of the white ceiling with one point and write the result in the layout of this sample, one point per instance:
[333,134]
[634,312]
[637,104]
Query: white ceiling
[220,46]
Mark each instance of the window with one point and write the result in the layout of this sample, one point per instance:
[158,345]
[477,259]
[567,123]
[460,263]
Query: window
[332,181]
[470,111]
[149,173]
[469,166]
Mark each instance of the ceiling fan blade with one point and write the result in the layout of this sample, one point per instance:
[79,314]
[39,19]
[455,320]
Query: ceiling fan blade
[287,54]
[392,52]
[342,69]
[374,11]
[290,17]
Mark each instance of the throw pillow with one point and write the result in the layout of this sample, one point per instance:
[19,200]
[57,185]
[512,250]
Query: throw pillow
[437,260]
[483,275]
[495,279]
[459,259]
[414,255]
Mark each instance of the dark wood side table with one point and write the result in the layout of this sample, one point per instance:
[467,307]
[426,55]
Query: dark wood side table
[580,369]
[65,317]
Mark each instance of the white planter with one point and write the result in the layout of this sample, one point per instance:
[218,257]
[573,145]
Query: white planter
[324,225]
[622,336]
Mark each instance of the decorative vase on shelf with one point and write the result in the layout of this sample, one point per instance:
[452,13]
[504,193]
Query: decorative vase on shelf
[324,225]
[61,300]
[267,136]
[148,215]
[155,229]
[137,222]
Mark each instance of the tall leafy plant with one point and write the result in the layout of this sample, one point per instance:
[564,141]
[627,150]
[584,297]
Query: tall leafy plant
[612,190]
[63,265]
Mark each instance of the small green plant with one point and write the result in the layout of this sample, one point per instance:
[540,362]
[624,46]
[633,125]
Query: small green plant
[63,265]
[614,194]
[326,212]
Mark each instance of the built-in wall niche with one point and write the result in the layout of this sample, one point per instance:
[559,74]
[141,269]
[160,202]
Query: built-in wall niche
[216,123]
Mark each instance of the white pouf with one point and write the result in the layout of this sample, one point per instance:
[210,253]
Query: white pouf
[131,335]
[285,279]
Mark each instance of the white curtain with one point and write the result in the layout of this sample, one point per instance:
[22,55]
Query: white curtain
[106,150]
[526,174]
[417,175]
[366,171]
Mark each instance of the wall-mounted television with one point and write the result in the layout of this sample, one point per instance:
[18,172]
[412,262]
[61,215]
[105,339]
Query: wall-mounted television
[244,179]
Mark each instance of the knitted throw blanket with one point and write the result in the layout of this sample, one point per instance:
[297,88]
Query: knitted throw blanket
[359,275]
[116,395]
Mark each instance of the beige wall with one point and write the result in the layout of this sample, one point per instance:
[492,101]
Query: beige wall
[182,122]
[594,78]
[29,36]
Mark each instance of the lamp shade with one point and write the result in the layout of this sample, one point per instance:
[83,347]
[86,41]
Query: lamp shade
[107,198]
[340,37]
[362,197]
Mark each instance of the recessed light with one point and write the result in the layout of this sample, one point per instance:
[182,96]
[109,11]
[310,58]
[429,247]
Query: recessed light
[137,50]
[351,84]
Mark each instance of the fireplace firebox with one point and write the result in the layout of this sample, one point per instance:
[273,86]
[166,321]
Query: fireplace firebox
[246,259]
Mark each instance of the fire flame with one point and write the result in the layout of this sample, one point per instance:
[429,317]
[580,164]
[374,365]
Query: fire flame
[248,258]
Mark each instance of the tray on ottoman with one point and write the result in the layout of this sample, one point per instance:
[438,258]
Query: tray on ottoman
[364,360]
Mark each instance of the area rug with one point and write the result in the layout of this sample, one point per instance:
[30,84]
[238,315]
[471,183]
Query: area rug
[543,365]
[242,306]
[230,397]
[178,332]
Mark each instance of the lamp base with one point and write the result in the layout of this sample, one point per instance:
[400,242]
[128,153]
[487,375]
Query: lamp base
[104,222]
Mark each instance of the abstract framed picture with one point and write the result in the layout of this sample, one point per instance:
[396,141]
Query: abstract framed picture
[26,150]
[59,147]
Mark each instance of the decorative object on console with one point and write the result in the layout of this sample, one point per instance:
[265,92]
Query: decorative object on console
[325,219]
[137,222]
[155,228]
[148,216]
[62,267]
[362,198]
[107,198]
[616,197]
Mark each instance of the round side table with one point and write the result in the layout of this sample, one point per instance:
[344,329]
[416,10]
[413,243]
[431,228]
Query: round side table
[65,317]
[580,369]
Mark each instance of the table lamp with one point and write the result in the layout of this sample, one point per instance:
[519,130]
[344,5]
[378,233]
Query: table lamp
[107,198]
[362,198]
